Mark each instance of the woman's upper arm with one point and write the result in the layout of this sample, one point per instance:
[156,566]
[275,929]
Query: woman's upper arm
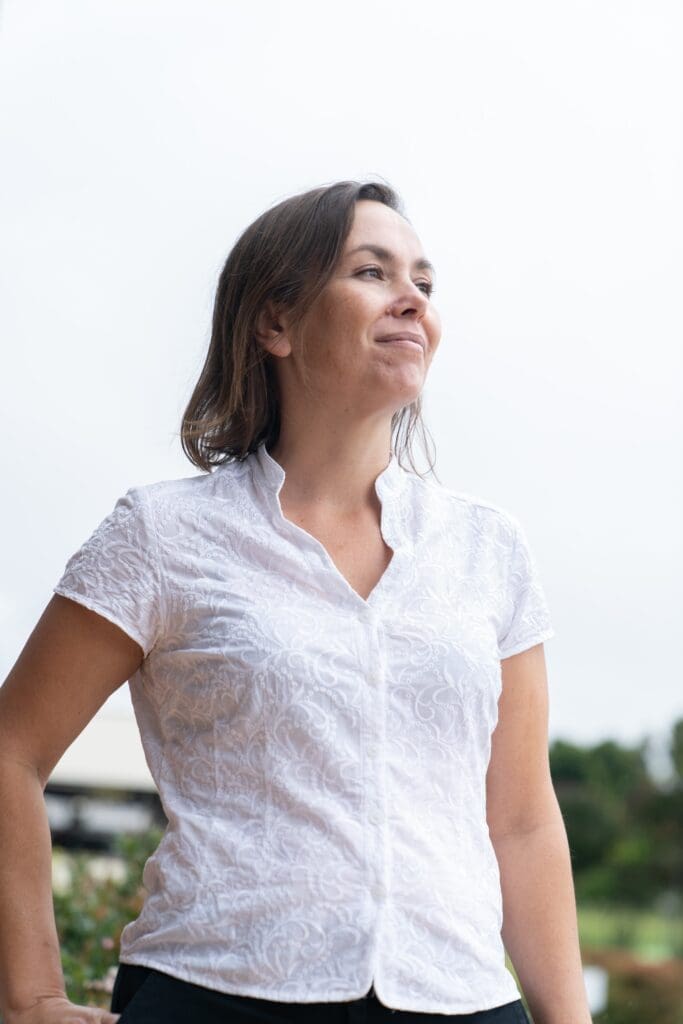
[519,789]
[71,663]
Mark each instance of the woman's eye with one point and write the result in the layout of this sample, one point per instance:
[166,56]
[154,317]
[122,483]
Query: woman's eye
[426,286]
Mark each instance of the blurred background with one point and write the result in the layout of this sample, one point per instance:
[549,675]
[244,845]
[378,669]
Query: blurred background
[538,149]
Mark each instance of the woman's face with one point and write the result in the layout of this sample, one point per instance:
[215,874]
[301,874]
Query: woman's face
[372,295]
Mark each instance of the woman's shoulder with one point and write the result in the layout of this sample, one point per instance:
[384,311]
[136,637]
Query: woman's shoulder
[192,488]
[479,510]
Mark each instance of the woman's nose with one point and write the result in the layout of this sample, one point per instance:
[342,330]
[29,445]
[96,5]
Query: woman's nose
[410,297]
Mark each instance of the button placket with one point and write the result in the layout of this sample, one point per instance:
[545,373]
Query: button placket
[375,781]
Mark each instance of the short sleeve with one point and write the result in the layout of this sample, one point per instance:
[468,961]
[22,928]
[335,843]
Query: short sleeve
[116,571]
[526,617]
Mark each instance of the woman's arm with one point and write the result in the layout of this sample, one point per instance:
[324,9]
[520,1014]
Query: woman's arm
[527,830]
[72,661]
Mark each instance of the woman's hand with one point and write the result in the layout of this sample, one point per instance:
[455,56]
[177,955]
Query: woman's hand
[58,1010]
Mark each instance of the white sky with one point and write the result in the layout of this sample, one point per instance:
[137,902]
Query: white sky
[538,148]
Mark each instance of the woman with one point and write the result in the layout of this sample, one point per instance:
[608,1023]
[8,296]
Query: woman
[320,645]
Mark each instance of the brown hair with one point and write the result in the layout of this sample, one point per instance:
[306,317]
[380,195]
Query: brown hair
[286,256]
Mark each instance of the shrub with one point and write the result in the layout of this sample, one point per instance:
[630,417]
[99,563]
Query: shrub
[91,911]
[639,991]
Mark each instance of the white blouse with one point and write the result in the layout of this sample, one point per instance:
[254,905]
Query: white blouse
[321,758]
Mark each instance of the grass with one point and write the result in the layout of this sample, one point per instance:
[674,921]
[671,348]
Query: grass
[652,936]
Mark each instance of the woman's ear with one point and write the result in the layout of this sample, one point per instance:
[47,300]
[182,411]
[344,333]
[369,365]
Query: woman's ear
[270,330]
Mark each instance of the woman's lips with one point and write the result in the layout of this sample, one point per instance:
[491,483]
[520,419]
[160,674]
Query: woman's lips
[401,341]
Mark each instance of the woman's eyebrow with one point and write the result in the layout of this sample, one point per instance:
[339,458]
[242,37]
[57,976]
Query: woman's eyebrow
[384,254]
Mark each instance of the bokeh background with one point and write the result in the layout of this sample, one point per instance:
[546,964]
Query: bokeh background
[538,148]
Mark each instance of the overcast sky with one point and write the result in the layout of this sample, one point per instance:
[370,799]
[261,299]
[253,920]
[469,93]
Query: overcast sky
[538,148]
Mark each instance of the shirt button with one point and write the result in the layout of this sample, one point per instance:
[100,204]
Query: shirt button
[372,750]
[378,891]
[375,818]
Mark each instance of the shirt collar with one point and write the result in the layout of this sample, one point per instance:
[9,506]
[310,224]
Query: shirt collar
[270,476]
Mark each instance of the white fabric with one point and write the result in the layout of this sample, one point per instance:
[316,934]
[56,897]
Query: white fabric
[321,759]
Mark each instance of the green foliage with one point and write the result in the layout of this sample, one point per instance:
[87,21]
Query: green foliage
[625,831]
[613,771]
[676,748]
[92,912]
[592,826]
[625,835]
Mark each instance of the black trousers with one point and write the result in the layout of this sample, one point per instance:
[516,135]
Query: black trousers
[143,995]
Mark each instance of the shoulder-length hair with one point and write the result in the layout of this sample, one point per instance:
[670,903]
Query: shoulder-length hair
[286,256]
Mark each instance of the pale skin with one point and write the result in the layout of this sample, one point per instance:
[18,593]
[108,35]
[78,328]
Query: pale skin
[335,439]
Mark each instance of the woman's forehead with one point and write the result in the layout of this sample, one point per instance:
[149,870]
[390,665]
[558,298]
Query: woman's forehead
[383,232]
